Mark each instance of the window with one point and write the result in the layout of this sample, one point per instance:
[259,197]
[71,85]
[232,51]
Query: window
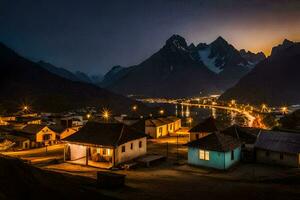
[160,130]
[131,146]
[104,151]
[98,150]
[197,136]
[46,137]
[203,155]
[140,144]
[267,153]
[281,156]
[232,155]
[123,149]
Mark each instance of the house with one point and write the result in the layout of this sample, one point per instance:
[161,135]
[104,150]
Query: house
[104,145]
[215,150]
[63,132]
[160,127]
[10,140]
[247,137]
[203,129]
[281,148]
[39,135]
[19,142]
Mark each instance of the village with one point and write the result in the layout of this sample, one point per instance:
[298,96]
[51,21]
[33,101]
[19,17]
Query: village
[146,152]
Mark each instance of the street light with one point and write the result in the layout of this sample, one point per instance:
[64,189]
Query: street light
[134,108]
[161,112]
[284,110]
[105,114]
[88,116]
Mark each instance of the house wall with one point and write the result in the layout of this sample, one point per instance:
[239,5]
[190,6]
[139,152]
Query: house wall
[217,160]
[177,124]
[45,131]
[129,153]
[291,160]
[237,157]
[164,131]
[77,151]
[151,131]
[25,144]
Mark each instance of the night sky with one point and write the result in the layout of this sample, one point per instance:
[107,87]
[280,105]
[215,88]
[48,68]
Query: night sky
[92,36]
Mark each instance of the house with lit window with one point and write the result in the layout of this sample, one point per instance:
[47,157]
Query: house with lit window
[203,129]
[39,135]
[104,145]
[163,126]
[215,150]
[279,148]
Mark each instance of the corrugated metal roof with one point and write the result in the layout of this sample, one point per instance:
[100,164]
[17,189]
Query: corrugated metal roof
[279,141]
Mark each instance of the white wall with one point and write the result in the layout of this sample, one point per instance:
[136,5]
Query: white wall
[129,153]
[77,151]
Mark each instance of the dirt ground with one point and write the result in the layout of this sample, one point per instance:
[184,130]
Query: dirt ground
[174,179]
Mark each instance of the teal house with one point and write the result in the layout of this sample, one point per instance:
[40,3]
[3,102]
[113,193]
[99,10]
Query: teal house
[215,150]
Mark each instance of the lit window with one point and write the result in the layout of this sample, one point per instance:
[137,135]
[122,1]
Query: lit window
[206,155]
[108,151]
[98,150]
[104,151]
[203,155]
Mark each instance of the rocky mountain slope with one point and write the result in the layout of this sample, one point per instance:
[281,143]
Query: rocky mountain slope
[274,81]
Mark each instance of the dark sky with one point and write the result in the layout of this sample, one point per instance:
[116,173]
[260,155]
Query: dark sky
[92,36]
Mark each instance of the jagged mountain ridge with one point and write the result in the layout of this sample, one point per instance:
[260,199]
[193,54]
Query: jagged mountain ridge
[179,69]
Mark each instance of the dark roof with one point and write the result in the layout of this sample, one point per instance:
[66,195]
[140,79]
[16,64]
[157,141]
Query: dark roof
[16,138]
[160,121]
[246,135]
[33,128]
[216,142]
[208,125]
[57,128]
[105,134]
[279,141]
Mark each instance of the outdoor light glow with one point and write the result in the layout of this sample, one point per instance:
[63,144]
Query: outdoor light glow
[88,116]
[105,114]
[284,110]
[134,108]
[161,112]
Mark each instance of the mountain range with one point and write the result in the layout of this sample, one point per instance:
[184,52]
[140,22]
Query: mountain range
[180,70]
[274,81]
[74,76]
[23,81]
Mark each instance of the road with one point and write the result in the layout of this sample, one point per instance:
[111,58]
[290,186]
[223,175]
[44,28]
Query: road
[39,155]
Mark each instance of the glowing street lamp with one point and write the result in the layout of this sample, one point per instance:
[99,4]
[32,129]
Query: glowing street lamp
[88,116]
[161,112]
[105,114]
[134,108]
[284,110]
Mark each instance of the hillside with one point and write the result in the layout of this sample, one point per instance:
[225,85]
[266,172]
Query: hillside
[23,81]
[274,81]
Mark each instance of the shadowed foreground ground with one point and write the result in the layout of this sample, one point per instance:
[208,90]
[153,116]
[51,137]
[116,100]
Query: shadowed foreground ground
[22,181]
